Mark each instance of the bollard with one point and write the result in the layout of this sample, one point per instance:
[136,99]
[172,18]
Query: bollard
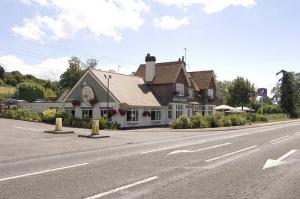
[95,127]
[58,124]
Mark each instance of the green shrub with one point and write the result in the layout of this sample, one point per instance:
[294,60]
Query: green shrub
[261,118]
[197,121]
[2,83]
[237,120]
[114,126]
[216,120]
[227,122]
[49,116]
[103,123]
[30,91]
[21,114]
[182,122]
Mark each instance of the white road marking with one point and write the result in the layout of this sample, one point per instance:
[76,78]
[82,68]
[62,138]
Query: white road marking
[229,154]
[273,163]
[172,147]
[203,149]
[27,129]
[41,172]
[279,139]
[123,187]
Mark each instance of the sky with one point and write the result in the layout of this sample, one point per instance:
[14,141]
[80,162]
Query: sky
[250,38]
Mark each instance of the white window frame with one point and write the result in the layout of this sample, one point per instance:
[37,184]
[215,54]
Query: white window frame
[157,114]
[86,116]
[179,110]
[180,89]
[191,93]
[210,92]
[170,112]
[104,113]
[134,118]
[69,111]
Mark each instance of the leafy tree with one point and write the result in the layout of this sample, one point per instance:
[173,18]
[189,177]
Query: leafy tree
[288,90]
[91,63]
[75,70]
[2,72]
[222,87]
[239,92]
[10,80]
[2,82]
[266,100]
[49,93]
[30,91]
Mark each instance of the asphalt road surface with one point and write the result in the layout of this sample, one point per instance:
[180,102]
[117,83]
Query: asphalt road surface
[262,162]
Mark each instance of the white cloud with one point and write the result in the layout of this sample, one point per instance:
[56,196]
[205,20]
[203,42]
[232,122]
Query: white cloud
[48,69]
[208,6]
[170,23]
[29,30]
[102,18]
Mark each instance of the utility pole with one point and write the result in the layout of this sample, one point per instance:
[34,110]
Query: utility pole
[107,77]
[185,56]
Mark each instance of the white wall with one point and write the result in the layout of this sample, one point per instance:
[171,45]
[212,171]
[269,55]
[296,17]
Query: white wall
[40,107]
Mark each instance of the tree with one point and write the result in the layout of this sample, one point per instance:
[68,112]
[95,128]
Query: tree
[2,72]
[288,90]
[239,91]
[30,91]
[75,70]
[222,87]
[91,64]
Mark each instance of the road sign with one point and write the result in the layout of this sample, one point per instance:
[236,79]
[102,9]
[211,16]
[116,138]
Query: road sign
[251,94]
[262,92]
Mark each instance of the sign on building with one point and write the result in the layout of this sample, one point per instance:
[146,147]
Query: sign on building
[262,92]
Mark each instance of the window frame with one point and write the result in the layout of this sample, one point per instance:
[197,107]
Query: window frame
[135,118]
[180,89]
[157,114]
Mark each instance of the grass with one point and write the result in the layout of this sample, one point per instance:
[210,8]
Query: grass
[5,90]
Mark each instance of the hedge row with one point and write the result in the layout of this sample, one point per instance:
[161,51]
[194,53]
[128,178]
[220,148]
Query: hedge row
[221,120]
[50,115]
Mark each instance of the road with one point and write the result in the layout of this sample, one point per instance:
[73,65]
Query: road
[152,163]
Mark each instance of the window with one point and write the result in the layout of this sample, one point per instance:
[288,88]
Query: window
[103,113]
[191,93]
[179,110]
[132,115]
[70,112]
[180,89]
[155,114]
[87,113]
[170,112]
[210,93]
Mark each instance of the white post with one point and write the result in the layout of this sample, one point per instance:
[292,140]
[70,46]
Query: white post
[95,127]
[58,124]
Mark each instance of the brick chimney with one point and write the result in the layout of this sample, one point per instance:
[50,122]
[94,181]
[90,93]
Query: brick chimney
[150,67]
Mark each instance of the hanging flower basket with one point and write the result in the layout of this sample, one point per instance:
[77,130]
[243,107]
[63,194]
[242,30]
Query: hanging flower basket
[76,102]
[146,114]
[93,101]
[122,112]
[175,93]
[112,112]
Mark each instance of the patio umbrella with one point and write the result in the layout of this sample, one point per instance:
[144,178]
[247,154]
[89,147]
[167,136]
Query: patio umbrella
[223,107]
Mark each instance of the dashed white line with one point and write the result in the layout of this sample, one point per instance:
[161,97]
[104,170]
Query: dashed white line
[229,154]
[41,172]
[123,187]
[279,139]
[172,147]
[202,149]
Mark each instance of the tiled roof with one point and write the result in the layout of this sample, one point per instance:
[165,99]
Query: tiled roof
[128,89]
[165,73]
[202,78]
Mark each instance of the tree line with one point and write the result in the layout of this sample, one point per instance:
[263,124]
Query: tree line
[31,88]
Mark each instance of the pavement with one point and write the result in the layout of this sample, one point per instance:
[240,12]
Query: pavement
[258,162]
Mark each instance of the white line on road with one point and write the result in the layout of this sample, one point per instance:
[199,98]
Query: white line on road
[172,147]
[123,187]
[279,139]
[229,154]
[203,149]
[41,172]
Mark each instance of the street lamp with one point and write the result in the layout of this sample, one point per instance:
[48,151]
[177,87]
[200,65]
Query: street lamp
[107,77]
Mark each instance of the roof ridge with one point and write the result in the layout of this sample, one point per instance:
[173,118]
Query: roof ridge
[129,75]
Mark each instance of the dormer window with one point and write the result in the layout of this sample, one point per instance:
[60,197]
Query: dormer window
[180,89]
[191,93]
[210,93]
